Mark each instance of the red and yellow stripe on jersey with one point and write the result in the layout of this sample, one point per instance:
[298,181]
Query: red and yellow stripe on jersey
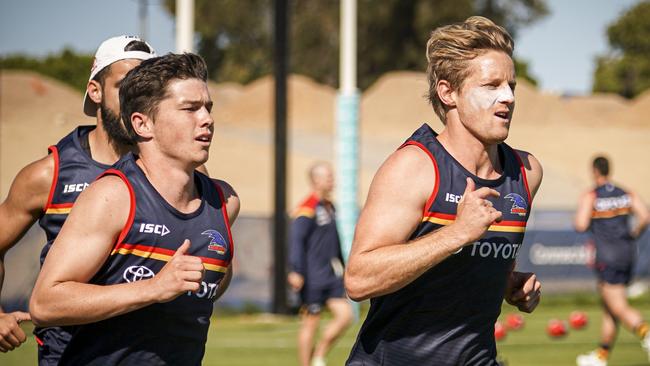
[503,226]
[165,255]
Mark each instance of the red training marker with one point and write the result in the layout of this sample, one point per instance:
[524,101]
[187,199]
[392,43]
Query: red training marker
[499,331]
[556,328]
[578,319]
[514,321]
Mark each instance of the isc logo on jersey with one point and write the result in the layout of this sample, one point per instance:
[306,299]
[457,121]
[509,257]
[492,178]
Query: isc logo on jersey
[453,198]
[74,187]
[161,230]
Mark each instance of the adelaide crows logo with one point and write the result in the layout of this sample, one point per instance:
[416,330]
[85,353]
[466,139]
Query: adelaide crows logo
[217,242]
[519,205]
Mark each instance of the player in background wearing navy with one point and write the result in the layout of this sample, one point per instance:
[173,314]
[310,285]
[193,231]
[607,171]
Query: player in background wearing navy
[436,242]
[146,249]
[606,212]
[46,189]
[316,268]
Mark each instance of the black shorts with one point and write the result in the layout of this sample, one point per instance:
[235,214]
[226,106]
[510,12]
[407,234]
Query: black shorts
[313,299]
[613,275]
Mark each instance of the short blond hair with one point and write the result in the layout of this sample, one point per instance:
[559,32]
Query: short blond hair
[450,48]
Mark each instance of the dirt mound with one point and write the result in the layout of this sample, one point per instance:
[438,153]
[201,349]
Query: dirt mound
[564,133]
[35,112]
[311,105]
[397,104]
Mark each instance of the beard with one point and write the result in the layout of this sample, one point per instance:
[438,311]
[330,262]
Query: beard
[114,128]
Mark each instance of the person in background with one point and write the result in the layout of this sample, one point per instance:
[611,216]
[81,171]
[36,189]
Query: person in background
[606,212]
[316,268]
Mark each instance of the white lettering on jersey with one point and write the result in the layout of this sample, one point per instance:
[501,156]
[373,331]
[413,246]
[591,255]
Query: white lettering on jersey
[613,203]
[323,217]
[493,250]
[453,198]
[206,290]
[74,187]
[161,230]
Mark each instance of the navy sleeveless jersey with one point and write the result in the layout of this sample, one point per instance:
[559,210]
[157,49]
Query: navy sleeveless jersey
[171,333]
[447,315]
[610,227]
[74,170]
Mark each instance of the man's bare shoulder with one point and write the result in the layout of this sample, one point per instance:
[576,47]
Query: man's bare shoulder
[107,193]
[38,175]
[408,160]
[407,174]
[31,187]
[531,163]
[534,171]
[230,196]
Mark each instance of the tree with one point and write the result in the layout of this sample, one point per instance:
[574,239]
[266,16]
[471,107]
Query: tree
[236,36]
[626,69]
[70,67]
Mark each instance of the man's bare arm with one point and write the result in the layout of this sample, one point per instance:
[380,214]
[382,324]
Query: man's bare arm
[62,294]
[641,214]
[584,211]
[24,204]
[523,290]
[381,261]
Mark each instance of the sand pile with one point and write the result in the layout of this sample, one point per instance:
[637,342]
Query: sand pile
[564,133]
[35,112]
[311,105]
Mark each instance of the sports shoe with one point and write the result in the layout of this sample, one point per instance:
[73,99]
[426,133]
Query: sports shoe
[318,361]
[590,359]
[645,344]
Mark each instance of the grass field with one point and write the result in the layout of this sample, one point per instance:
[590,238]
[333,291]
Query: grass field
[260,340]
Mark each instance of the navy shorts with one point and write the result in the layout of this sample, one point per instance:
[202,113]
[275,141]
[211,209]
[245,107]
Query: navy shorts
[51,344]
[614,275]
[314,299]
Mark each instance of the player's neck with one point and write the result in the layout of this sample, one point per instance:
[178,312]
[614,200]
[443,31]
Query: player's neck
[102,148]
[173,180]
[322,195]
[478,158]
[600,181]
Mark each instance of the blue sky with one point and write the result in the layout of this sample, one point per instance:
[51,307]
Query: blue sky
[560,49]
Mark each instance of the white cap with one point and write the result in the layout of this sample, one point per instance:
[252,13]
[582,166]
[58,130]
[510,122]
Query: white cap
[110,51]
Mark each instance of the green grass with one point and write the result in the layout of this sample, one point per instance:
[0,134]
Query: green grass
[259,339]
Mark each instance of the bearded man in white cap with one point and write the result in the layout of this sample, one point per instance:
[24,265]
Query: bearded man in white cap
[46,189]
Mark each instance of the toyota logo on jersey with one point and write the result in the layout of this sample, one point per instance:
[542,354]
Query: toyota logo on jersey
[137,273]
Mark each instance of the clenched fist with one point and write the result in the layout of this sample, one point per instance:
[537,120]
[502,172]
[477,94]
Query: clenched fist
[475,213]
[523,291]
[11,335]
[181,274]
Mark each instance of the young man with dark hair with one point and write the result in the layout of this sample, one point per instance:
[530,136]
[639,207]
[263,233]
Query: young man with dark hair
[46,189]
[151,236]
[606,212]
[316,268]
[436,242]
